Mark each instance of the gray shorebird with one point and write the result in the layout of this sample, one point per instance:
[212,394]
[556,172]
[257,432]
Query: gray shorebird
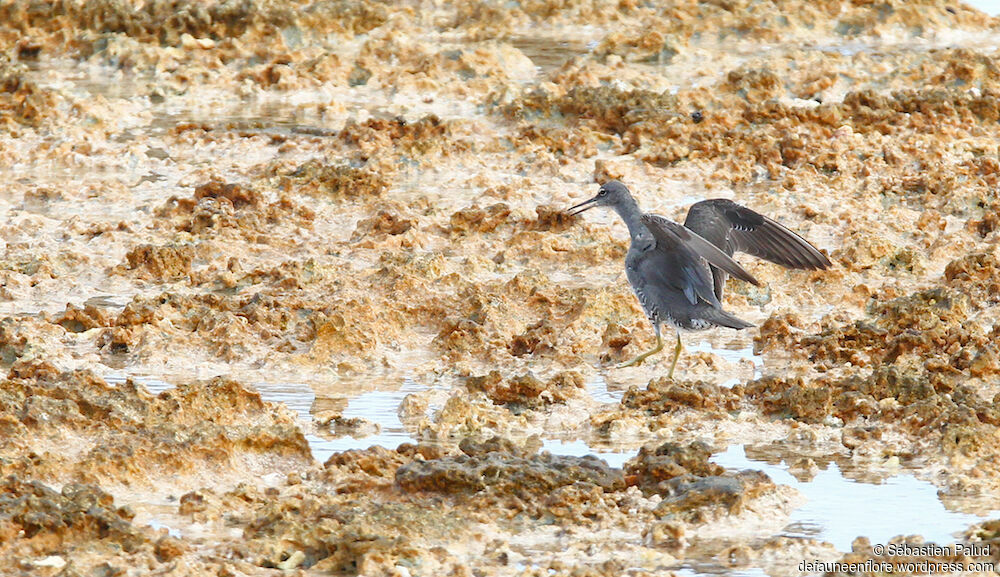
[679,272]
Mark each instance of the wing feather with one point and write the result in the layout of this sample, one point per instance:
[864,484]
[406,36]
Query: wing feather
[753,233]
[733,228]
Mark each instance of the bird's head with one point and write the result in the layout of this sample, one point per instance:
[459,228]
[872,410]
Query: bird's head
[612,193]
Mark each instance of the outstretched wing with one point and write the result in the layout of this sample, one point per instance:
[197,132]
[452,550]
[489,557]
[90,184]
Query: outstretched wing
[681,251]
[732,228]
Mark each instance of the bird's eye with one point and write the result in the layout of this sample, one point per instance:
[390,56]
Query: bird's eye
[602,192]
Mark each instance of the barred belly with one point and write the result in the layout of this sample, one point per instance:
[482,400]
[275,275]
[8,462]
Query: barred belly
[650,308]
[653,314]
[691,325]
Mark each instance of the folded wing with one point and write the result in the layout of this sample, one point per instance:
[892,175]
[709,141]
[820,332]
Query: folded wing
[685,249]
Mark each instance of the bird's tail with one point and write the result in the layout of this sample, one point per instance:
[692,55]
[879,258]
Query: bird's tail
[724,319]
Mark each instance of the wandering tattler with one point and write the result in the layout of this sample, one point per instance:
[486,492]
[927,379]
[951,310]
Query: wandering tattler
[666,263]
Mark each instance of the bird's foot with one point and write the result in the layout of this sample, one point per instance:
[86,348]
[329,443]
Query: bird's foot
[633,363]
[638,360]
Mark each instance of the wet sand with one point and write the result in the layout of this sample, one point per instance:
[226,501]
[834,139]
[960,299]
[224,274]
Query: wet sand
[288,286]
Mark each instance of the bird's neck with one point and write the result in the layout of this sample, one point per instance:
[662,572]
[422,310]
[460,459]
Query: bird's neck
[632,216]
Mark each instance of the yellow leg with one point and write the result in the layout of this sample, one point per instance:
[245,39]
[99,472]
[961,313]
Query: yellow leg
[677,354]
[638,360]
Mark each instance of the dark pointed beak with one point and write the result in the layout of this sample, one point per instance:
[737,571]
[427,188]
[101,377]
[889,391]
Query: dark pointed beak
[585,205]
